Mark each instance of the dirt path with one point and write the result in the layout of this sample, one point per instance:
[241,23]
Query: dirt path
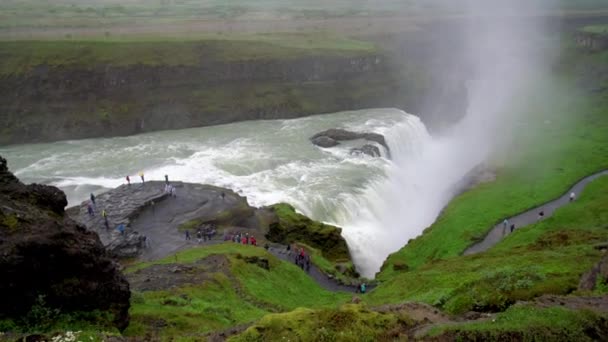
[315,273]
[530,216]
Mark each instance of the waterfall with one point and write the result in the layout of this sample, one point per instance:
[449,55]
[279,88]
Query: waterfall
[419,182]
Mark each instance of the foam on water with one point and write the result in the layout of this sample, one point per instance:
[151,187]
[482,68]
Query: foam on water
[380,203]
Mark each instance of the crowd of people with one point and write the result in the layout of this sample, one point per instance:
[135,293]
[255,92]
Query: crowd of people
[92,204]
[244,239]
[203,233]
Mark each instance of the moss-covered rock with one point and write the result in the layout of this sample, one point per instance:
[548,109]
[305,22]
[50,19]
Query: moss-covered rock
[293,227]
[348,323]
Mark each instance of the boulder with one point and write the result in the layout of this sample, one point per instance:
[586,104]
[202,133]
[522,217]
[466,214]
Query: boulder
[367,149]
[45,254]
[344,135]
[324,141]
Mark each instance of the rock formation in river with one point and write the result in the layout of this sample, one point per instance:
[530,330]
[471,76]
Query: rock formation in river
[333,136]
[370,150]
[45,254]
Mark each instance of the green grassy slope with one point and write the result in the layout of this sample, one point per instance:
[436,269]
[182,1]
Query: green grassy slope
[562,139]
[348,323]
[240,293]
[529,323]
[547,257]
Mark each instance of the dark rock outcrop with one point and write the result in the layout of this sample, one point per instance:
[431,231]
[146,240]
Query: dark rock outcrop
[324,141]
[367,149]
[337,135]
[45,253]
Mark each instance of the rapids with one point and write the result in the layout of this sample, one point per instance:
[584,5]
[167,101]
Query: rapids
[380,203]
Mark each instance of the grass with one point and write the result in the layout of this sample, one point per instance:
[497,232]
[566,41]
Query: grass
[547,257]
[562,140]
[192,255]
[23,56]
[601,29]
[294,227]
[529,323]
[239,294]
[348,323]
[190,311]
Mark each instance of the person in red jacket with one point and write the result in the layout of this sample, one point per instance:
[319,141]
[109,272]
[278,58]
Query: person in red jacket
[244,240]
[253,241]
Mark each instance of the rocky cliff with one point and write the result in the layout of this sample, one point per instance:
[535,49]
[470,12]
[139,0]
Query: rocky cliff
[70,94]
[45,254]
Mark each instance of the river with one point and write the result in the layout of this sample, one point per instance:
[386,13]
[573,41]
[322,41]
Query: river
[381,203]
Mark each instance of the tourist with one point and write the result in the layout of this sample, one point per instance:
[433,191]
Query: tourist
[505,224]
[173,193]
[363,288]
[307,261]
[166,179]
[128,181]
[93,199]
[199,236]
[104,214]
[253,241]
[302,258]
[572,196]
[121,229]
[512,228]
[541,215]
[187,235]
[223,195]
[141,175]
[90,209]
[244,240]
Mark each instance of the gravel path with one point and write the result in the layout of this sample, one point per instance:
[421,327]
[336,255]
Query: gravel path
[530,216]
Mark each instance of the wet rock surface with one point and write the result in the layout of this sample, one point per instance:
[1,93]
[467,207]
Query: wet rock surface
[152,218]
[333,136]
[45,253]
[369,150]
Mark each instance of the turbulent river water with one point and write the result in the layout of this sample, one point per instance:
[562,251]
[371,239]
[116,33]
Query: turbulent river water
[381,203]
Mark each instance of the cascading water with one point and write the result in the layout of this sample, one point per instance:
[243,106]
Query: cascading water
[380,203]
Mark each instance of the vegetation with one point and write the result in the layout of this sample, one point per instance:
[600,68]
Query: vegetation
[240,292]
[546,257]
[530,323]
[601,29]
[294,227]
[23,56]
[560,148]
[348,323]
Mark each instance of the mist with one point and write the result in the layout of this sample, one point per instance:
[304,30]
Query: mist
[503,53]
